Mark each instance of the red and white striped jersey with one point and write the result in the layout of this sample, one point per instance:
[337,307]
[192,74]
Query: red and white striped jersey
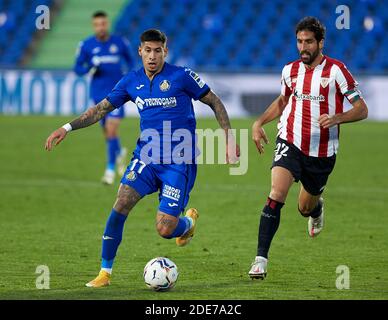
[314,92]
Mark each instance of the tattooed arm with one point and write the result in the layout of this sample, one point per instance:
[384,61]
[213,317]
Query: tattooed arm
[89,117]
[92,115]
[215,103]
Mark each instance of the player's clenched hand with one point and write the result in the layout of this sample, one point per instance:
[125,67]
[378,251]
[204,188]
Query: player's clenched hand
[258,134]
[327,121]
[56,137]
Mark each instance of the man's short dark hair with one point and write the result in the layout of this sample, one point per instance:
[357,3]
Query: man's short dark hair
[153,35]
[99,14]
[312,24]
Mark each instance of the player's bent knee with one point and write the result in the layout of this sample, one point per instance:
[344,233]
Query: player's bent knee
[165,225]
[304,211]
[165,232]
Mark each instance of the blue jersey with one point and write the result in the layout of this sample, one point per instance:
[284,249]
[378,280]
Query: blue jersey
[110,58]
[165,108]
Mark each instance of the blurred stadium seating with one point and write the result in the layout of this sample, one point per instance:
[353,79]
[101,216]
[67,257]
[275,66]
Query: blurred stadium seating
[17,27]
[71,24]
[229,35]
[257,35]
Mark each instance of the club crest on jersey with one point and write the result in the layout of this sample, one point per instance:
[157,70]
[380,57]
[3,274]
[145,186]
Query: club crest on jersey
[113,48]
[164,85]
[324,82]
[96,50]
[131,176]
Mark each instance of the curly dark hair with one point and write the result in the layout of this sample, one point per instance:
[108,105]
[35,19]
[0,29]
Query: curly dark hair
[312,24]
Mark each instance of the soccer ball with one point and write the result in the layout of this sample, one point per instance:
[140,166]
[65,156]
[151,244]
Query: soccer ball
[160,274]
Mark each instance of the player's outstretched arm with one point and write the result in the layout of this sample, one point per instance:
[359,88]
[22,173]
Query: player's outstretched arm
[92,115]
[215,103]
[89,117]
[273,111]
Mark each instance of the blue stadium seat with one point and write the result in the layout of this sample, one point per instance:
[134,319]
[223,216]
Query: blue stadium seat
[254,33]
[15,37]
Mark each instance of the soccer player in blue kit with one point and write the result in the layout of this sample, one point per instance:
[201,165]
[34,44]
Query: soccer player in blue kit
[162,94]
[106,57]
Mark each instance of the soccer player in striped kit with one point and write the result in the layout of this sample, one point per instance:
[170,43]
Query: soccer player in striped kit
[311,109]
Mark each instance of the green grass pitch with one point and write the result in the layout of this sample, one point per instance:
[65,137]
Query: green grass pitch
[53,211]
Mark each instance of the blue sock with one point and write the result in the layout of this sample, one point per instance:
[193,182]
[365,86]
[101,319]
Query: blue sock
[113,150]
[182,227]
[112,237]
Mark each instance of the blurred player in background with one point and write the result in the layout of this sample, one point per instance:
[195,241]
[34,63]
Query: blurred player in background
[311,107]
[106,57]
[163,94]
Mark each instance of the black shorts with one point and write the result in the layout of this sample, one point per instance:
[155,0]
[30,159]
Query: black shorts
[312,172]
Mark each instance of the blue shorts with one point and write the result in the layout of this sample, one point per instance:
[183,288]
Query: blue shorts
[174,182]
[116,113]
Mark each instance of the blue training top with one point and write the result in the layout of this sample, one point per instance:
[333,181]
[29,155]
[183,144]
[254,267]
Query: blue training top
[109,58]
